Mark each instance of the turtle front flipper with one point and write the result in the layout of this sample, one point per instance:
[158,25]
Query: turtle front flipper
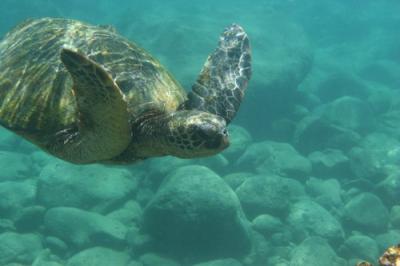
[103,129]
[220,86]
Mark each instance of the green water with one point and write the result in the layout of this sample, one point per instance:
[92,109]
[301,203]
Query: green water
[312,176]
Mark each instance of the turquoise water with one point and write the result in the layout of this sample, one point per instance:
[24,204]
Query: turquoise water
[311,177]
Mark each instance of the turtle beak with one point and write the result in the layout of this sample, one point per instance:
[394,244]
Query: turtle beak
[224,143]
[219,141]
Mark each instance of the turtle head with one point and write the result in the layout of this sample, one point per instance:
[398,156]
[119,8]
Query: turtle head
[193,133]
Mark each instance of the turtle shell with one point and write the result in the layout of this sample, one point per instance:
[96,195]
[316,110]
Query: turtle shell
[35,88]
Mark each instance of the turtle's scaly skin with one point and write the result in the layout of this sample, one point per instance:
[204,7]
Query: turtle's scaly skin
[220,87]
[85,94]
[36,99]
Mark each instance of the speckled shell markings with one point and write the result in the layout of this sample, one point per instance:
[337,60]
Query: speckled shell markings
[35,88]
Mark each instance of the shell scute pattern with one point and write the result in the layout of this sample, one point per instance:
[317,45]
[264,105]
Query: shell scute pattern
[35,87]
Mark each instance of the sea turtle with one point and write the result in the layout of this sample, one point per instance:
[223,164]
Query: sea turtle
[85,94]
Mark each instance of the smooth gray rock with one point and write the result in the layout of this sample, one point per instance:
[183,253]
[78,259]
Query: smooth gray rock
[130,214]
[376,150]
[315,251]
[278,261]
[327,193]
[144,195]
[260,252]
[364,164]
[388,122]
[99,256]
[235,179]
[330,163]
[30,218]
[15,166]
[138,241]
[264,194]
[382,71]
[254,155]
[221,262]
[218,162]
[282,239]
[92,186]
[45,258]
[360,247]
[382,145]
[366,212]
[46,263]
[350,113]
[15,196]
[389,189]
[341,84]
[296,189]
[152,259]
[381,100]
[267,225]
[308,218]
[196,213]
[286,161]
[134,263]
[6,225]
[56,245]
[276,158]
[82,228]
[159,168]
[22,248]
[315,133]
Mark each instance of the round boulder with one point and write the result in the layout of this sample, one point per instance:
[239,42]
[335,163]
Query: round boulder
[388,189]
[99,256]
[307,217]
[15,166]
[264,194]
[360,247]
[267,224]
[366,212]
[275,157]
[315,251]
[220,262]
[85,187]
[84,229]
[23,248]
[196,213]
[350,113]
[15,196]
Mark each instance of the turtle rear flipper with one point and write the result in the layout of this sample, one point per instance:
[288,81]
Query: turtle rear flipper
[220,87]
[103,128]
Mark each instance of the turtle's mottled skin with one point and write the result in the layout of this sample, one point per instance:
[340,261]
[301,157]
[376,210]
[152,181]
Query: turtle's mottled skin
[85,94]
[32,74]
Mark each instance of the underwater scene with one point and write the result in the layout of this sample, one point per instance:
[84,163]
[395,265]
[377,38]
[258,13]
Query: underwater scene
[110,158]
